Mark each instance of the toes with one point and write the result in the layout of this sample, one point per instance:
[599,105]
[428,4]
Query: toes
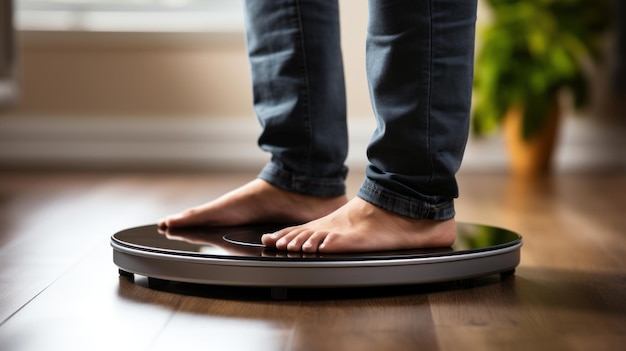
[299,239]
[291,241]
[177,220]
[165,222]
[330,244]
[281,238]
[294,239]
[297,242]
[270,239]
[312,244]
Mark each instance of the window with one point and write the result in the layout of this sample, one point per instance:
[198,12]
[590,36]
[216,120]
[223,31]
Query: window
[130,15]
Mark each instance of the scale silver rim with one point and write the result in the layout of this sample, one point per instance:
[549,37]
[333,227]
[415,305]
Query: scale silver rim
[331,273]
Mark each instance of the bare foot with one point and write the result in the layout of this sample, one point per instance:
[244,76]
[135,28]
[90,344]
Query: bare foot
[360,226]
[256,202]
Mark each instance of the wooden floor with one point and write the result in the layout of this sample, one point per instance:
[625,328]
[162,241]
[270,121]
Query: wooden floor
[59,289]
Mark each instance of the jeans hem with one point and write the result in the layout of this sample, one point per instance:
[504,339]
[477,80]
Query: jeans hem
[428,207]
[322,187]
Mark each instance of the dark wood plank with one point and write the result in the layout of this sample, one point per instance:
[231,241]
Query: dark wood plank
[51,220]
[90,308]
[569,291]
[229,324]
[382,323]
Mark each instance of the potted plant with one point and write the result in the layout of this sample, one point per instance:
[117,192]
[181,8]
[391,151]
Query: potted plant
[531,51]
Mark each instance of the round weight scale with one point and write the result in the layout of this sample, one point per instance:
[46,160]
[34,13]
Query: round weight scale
[235,256]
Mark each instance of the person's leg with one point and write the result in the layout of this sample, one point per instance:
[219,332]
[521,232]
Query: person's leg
[299,93]
[420,70]
[299,99]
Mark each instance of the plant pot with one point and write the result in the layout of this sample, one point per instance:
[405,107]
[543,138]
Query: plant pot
[534,156]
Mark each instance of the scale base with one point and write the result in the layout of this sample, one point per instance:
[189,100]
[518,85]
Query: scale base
[281,293]
[235,257]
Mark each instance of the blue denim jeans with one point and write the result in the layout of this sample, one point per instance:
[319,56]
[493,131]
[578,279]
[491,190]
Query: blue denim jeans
[419,66]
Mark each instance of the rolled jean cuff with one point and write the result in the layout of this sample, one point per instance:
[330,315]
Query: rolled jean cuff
[322,187]
[428,207]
